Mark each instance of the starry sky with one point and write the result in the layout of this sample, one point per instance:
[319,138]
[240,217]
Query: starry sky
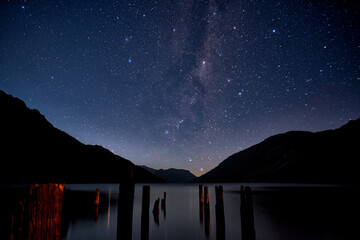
[183,84]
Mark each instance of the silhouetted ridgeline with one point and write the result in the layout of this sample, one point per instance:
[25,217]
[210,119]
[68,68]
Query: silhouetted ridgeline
[32,150]
[172,175]
[330,156]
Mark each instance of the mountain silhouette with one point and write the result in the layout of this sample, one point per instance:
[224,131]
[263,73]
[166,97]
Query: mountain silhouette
[330,156]
[32,150]
[172,175]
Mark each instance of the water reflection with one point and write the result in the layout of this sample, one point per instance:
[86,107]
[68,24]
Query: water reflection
[50,211]
[109,211]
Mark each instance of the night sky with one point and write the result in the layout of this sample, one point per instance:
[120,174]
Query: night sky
[187,83]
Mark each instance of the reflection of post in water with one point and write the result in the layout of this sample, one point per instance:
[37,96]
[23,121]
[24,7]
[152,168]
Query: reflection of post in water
[156,211]
[163,205]
[207,211]
[220,215]
[125,207]
[247,214]
[96,204]
[109,210]
[201,203]
[145,213]
[39,216]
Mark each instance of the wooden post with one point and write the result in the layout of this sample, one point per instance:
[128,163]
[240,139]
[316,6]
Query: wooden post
[250,213]
[242,212]
[201,203]
[125,207]
[163,202]
[145,213]
[163,205]
[220,215]
[207,211]
[40,212]
[247,214]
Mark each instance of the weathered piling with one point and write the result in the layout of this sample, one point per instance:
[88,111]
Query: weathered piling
[247,214]
[207,211]
[220,215]
[38,214]
[125,207]
[164,198]
[201,203]
[145,213]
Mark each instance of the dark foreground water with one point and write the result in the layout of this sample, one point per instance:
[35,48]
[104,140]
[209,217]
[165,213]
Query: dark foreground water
[280,212]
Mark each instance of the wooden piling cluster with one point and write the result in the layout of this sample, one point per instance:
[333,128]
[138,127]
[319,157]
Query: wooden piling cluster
[156,208]
[247,214]
[220,215]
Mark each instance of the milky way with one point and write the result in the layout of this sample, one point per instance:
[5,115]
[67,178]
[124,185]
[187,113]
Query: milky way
[183,84]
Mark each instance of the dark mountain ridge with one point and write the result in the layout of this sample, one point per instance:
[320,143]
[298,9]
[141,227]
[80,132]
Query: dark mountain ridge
[330,156]
[172,175]
[32,150]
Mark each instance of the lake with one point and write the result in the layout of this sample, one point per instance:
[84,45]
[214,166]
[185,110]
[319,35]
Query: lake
[280,211]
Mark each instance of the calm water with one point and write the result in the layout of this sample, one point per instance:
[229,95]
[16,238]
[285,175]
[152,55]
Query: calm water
[280,212]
